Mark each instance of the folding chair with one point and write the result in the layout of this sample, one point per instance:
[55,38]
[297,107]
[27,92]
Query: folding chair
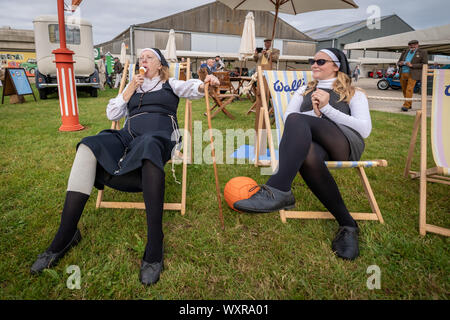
[440,143]
[282,85]
[221,100]
[175,70]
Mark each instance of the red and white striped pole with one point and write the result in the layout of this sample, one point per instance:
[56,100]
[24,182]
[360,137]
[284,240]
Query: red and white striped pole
[67,89]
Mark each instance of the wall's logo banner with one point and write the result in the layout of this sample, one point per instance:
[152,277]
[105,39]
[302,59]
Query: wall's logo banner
[279,86]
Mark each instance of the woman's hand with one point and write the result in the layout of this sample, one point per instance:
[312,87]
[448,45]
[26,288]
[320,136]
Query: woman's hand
[320,97]
[211,79]
[137,81]
[316,109]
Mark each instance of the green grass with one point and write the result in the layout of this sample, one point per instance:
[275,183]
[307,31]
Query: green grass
[256,257]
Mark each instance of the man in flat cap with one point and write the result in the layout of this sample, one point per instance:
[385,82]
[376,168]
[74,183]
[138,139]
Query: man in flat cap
[410,67]
[267,56]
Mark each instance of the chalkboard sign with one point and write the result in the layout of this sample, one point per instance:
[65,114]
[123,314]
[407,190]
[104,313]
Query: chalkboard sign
[16,82]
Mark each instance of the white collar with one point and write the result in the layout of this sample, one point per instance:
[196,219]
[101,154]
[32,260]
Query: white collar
[149,83]
[326,84]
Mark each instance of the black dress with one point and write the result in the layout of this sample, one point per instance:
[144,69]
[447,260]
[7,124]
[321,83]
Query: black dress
[150,132]
[356,142]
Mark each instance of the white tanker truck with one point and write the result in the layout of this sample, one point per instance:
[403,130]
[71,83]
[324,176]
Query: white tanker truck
[78,39]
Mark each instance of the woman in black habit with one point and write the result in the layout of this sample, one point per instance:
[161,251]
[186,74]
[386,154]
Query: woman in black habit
[325,120]
[131,159]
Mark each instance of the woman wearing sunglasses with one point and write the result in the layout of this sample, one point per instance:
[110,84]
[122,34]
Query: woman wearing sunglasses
[131,159]
[327,120]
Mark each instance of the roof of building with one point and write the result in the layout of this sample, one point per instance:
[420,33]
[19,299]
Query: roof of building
[436,40]
[215,17]
[16,39]
[339,30]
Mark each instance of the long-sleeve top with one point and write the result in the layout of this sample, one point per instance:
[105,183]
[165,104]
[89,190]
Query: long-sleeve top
[117,107]
[359,118]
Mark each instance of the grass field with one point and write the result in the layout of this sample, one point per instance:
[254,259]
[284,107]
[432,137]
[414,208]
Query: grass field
[255,257]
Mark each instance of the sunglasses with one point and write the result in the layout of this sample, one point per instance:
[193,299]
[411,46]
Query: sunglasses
[320,62]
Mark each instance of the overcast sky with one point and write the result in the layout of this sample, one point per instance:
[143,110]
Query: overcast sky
[110,17]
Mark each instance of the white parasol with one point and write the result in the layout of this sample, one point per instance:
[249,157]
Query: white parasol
[171,49]
[248,40]
[123,52]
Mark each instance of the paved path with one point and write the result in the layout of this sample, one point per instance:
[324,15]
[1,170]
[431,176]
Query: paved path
[370,87]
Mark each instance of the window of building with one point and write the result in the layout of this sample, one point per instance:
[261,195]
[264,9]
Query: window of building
[72,34]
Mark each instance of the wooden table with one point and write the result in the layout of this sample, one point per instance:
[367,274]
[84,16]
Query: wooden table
[241,80]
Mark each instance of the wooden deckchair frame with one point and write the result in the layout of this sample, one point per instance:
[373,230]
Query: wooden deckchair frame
[425,174]
[375,214]
[222,100]
[186,157]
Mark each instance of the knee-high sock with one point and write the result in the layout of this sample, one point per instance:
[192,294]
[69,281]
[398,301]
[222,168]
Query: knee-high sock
[153,186]
[79,187]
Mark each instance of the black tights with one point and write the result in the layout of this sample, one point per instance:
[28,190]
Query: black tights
[153,184]
[306,143]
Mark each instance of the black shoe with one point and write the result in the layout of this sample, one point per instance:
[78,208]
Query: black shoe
[267,199]
[49,259]
[405,109]
[345,244]
[149,273]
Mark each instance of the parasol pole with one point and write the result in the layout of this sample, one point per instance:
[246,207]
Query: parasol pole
[213,155]
[277,7]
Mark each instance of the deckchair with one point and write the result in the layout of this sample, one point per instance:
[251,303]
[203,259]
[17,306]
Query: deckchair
[282,85]
[223,94]
[440,142]
[175,70]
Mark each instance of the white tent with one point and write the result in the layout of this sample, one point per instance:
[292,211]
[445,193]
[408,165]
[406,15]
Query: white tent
[435,40]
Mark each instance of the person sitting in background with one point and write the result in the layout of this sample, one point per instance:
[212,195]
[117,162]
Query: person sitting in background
[235,72]
[218,64]
[210,66]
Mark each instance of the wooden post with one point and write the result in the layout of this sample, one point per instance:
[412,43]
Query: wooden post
[423,155]
[213,154]
[412,143]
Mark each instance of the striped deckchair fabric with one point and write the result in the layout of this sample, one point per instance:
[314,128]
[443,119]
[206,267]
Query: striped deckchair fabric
[440,120]
[440,142]
[131,71]
[174,70]
[282,85]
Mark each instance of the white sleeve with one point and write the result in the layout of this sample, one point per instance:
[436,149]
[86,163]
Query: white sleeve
[359,119]
[186,89]
[117,107]
[295,104]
